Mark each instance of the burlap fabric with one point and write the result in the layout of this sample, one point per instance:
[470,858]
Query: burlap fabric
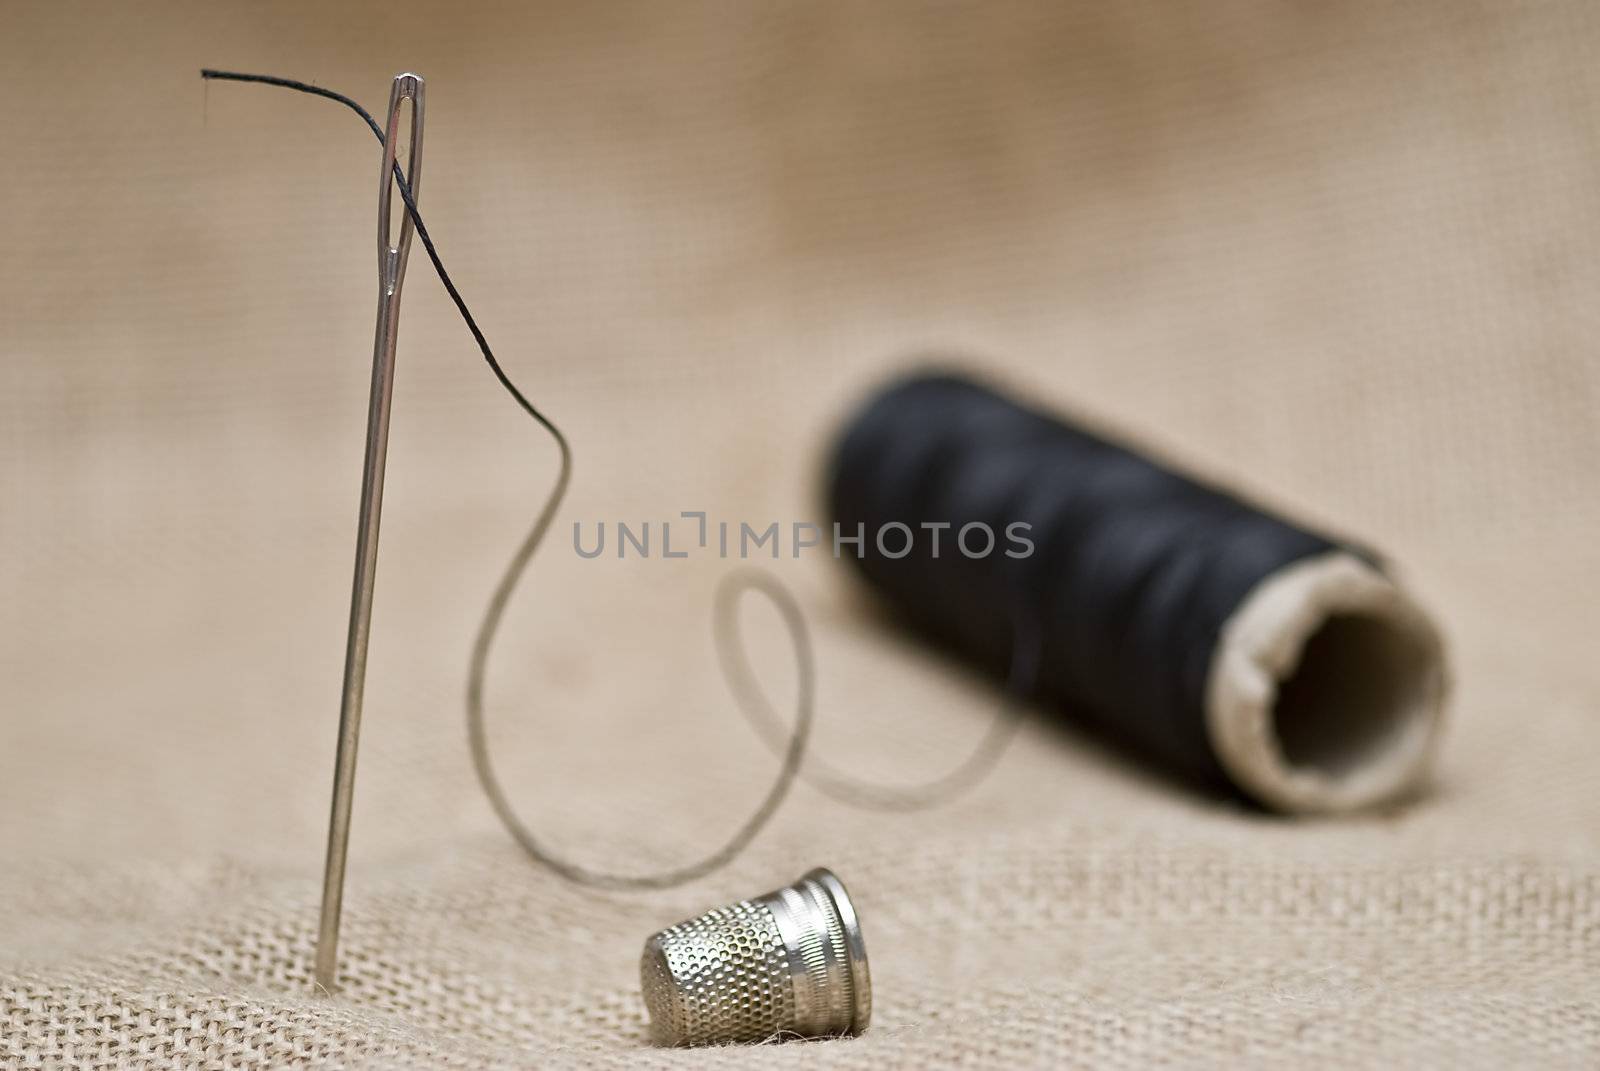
[1342,256]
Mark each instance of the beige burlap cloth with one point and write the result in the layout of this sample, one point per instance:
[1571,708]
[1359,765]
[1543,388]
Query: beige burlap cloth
[1342,256]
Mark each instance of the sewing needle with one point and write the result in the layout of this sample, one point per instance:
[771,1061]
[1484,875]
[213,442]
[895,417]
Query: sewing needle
[392,257]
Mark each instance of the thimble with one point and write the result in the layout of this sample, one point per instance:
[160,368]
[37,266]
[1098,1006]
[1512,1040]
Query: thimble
[790,963]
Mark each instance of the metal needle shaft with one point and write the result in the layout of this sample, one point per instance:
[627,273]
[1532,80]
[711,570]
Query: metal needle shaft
[392,257]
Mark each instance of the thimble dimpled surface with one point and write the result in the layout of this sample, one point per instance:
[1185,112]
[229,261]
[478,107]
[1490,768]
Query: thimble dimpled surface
[790,962]
[721,976]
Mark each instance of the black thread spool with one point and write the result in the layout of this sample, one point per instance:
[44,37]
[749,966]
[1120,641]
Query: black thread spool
[1194,627]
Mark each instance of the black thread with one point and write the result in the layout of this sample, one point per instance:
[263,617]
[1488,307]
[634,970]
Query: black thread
[731,656]
[732,587]
[861,792]
[1134,571]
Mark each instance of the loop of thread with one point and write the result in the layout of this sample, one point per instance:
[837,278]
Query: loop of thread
[731,656]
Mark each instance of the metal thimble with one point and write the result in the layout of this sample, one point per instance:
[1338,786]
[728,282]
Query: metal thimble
[789,963]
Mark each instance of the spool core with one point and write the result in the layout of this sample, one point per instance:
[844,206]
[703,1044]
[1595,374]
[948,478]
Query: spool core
[1326,691]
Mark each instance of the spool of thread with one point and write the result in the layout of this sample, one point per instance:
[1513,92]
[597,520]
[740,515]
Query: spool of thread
[1196,628]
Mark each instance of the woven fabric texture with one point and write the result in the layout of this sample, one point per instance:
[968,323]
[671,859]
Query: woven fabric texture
[1341,256]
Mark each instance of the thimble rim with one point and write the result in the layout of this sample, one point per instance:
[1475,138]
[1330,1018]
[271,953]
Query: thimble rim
[855,946]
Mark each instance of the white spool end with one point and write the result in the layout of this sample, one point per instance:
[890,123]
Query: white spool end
[1326,691]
